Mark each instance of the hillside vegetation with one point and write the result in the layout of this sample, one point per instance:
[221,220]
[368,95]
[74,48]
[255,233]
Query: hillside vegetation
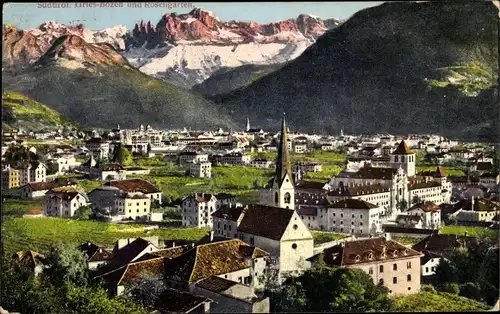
[19,110]
[400,67]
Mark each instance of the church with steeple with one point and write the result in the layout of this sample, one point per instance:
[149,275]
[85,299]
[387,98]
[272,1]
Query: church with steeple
[280,191]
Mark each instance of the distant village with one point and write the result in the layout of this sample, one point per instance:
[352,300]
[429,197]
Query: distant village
[377,196]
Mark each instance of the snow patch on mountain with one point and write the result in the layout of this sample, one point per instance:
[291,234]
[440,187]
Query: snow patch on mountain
[198,62]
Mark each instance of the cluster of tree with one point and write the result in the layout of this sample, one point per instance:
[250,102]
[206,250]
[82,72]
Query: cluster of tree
[63,287]
[472,273]
[122,156]
[19,153]
[325,289]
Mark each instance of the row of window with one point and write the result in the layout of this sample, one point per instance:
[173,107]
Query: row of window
[395,280]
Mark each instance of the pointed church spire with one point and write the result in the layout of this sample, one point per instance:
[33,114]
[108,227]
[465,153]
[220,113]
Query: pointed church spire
[283,164]
[248,125]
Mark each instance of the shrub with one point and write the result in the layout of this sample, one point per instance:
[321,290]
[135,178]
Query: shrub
[427,288]
[449,287]
[471,291]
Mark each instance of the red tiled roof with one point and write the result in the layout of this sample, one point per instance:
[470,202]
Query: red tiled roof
[134,271]
[34,212]
[438,243]
[438,173]
[427,206]
[266,221]
[353,203]
[216,284]
[176,301]
[366,251]
[402,149]
[423,185]
[172,252]
[134,185]
[212,259]
[39,186]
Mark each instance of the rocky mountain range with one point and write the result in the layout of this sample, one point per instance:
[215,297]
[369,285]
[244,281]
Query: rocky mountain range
[181,49]
[94,85]
[398,67]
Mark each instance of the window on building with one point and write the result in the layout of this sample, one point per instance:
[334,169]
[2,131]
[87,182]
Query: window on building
[294,246]
[394,280]
[370,271]
[287,198]
[408,265]
[395,267]
[276,198]
[252,241]
[381,269]
[427,269]
[341,215]
[381,281]
[408,278]
[352,215]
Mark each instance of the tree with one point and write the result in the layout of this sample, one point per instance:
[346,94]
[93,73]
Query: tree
[19,153]
[155,204]
[146,291]
[471,290]
[68,266]
[122,156]
[416,199]
[325,289]
[449,287]
[22,291]
[83,213]
[95,300]
[402,205]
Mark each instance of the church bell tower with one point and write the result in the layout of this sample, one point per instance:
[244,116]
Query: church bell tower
[282,192]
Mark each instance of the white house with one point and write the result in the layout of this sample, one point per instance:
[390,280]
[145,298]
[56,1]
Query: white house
[109,172]
[261,163]
[354,216]
[98,147]
[63,202]
[197,210]
[233,159]
[32,172]
[34,190]
[133,205]
[430,213]
[200,169]
[138,185]
[189,157]
[429,263]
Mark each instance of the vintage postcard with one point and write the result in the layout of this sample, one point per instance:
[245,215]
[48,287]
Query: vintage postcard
[253,157]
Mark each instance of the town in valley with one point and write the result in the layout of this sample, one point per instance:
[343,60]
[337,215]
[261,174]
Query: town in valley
[280,158]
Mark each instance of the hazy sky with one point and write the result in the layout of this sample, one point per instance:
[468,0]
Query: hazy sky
[31,15]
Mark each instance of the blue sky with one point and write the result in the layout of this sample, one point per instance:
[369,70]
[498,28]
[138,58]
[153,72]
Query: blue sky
[30,15]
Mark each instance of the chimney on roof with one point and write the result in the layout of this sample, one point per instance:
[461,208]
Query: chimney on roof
[387,236]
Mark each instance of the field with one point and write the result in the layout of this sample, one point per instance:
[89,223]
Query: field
[471,231]
[14,207]
[40,233]
[448,170]
[172,181]
[436,302]
[323,237]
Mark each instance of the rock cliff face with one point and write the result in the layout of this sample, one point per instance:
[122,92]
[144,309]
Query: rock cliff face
[24,47]
[204,26]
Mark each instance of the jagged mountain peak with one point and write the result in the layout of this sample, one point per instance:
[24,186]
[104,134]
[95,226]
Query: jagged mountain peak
[75,49]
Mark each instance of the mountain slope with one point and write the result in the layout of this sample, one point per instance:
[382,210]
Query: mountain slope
[93,85]
[227,80]
[19,111]
[372,73]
